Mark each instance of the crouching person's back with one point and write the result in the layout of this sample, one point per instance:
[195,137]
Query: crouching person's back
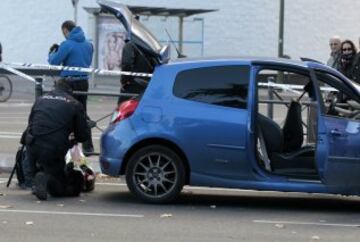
[53,119]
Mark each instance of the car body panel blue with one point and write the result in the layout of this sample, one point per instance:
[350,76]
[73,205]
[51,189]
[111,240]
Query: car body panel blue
[218,142]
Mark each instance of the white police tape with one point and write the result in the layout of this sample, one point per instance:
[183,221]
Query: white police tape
[70,68]
[16,72]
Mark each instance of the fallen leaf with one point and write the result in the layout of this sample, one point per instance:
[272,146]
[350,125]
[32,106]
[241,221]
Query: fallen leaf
[315,237]
[213,206]
[1,194]
[279,226]
[6,206]
[166,215]
[29,222]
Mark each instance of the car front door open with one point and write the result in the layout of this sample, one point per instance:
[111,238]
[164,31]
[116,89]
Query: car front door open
[338,144]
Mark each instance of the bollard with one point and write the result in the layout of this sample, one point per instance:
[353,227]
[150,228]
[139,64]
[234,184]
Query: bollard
[38,87]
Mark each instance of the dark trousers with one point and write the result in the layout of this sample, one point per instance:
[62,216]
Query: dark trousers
[50,159]
[29,168]
[83,86]
[80,85]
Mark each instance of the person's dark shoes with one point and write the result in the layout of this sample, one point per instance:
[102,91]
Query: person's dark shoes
[40,186]
[88,151]
[88,148]
[25,187]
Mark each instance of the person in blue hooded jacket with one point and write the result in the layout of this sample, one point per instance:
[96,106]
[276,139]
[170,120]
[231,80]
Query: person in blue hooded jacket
[75,51]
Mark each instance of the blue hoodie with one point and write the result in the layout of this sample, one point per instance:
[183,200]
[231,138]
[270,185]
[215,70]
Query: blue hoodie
[75,51]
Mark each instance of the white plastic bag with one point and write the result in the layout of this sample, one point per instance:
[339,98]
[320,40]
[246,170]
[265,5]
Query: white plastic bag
[76,155]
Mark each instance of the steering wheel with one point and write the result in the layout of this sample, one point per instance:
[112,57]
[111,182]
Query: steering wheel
[355,114]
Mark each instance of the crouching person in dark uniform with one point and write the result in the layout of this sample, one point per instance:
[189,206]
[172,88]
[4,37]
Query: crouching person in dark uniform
[53,118]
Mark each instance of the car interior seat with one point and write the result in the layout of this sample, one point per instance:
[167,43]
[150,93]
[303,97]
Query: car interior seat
[298,161]
[293,129]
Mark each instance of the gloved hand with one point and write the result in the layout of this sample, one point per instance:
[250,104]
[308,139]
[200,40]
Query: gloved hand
[54,48]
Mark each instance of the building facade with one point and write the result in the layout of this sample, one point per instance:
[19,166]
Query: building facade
[238,28]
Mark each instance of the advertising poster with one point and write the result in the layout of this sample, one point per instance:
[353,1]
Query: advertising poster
[111,42]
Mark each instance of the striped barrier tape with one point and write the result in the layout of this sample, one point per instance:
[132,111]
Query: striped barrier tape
[18,73]
[70,68]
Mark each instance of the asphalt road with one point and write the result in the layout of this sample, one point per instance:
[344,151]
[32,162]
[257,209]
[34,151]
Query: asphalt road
[111,213]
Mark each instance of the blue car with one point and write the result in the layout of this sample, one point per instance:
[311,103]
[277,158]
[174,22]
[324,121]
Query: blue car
[249,123]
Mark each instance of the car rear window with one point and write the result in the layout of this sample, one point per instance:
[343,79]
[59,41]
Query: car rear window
[221,85]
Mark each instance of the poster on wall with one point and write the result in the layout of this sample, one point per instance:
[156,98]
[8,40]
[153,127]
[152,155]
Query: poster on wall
[111,42]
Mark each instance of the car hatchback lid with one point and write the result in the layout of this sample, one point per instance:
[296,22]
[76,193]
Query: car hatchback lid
[137,32]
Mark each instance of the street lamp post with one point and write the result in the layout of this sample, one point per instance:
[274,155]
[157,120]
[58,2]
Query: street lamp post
[281,29]
[75,5]
[281,76]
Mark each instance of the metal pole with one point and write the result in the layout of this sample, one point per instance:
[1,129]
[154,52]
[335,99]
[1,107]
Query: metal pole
[270,106]
[38,87]
[181,26]
[96,51]
[75,4]
[202,36]
[281,38]
[281,29]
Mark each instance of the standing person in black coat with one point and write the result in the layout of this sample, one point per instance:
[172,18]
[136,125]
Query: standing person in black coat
[54,118]
[133,60]
[347,61]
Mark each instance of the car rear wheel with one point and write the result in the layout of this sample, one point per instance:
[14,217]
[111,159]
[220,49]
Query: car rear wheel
[155,174]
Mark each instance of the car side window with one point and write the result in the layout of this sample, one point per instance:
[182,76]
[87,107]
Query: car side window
[338,99]
[220,85]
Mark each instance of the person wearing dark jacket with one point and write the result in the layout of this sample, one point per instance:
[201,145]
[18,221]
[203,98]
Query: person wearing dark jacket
[75,51]
[348,59]
[133,60]
[55,117]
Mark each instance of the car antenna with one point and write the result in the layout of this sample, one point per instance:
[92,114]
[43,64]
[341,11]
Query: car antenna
[173,43]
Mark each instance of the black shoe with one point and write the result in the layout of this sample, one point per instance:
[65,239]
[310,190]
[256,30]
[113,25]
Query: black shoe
[40,185]
[88,148]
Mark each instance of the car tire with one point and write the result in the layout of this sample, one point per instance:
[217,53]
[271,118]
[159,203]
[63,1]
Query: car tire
[155,174]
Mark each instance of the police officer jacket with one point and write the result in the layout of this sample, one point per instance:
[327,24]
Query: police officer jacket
[54,116]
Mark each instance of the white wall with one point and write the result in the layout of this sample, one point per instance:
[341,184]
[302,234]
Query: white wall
[240,27]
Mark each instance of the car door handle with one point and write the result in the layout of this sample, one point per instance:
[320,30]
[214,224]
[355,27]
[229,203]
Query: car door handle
[336,132]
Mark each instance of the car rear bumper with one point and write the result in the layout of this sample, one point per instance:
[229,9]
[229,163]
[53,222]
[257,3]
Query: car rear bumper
[115,142]
[110,166]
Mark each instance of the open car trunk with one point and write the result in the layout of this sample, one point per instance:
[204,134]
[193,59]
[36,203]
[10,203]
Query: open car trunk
[137,32]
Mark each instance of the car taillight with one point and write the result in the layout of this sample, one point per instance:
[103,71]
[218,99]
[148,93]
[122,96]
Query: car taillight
[125,110]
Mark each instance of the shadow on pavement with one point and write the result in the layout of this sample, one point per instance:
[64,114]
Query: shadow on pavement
[309,203]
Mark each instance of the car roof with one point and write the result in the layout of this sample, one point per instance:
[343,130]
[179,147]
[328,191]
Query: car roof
[241,60]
